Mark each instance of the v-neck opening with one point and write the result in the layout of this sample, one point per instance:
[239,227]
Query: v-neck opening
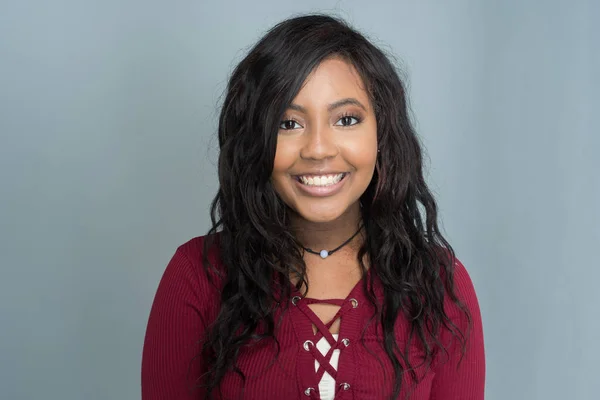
[296,291]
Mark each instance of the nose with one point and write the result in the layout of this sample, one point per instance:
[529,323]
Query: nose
[319,144]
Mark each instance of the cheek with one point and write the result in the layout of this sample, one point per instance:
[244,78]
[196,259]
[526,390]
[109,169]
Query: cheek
[283,159]
[363,153]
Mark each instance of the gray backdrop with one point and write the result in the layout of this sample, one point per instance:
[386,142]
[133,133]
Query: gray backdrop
[107,116]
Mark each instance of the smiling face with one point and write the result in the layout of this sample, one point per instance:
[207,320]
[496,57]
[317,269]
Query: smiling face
[327,144]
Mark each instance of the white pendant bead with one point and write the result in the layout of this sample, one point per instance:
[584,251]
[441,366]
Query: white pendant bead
[324,253]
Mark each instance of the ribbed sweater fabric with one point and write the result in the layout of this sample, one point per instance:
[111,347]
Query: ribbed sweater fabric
[186,303]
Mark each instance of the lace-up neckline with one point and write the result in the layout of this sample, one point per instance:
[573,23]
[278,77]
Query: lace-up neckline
[305,319]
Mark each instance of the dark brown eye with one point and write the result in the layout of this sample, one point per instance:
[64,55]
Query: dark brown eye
[347,120]
[289,124]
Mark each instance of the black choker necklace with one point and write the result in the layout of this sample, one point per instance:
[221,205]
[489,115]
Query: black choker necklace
[326,253]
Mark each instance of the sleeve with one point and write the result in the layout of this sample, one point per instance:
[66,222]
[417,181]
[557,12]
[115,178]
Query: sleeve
[172,341]
[463,379]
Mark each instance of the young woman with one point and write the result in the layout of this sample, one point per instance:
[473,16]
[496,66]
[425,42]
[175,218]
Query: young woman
[324,274]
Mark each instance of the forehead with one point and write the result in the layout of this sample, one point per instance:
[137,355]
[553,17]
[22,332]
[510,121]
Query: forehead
[332,79]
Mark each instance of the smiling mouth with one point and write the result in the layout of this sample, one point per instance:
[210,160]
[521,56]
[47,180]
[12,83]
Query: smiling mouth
[320,180]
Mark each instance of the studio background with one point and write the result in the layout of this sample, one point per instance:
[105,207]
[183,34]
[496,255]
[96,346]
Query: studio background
[107,163]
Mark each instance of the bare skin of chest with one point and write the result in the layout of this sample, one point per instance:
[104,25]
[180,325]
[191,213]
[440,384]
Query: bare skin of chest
[329,280]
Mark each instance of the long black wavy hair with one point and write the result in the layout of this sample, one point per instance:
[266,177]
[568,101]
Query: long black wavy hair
[258,250]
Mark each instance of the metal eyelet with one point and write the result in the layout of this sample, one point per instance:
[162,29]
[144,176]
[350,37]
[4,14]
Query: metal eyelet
[308,390]
[307,345]
[346,342]
[295,300]
[345,386]
[354,303]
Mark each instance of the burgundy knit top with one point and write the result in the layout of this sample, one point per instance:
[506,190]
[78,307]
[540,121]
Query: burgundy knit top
[186,302]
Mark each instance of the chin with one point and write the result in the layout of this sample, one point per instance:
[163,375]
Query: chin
[320,219]
[316,215]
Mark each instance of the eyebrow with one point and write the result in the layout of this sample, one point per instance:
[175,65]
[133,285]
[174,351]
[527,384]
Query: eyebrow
[332,106]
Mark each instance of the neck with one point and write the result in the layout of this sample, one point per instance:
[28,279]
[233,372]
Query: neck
[328,235]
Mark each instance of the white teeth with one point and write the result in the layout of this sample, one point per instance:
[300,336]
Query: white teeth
[325,180]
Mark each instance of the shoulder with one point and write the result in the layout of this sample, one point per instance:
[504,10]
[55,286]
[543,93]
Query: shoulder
[199,249]
[463,306]
[463,284]
[187,277]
